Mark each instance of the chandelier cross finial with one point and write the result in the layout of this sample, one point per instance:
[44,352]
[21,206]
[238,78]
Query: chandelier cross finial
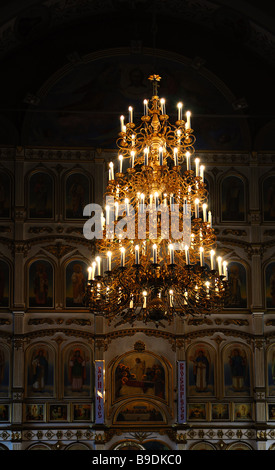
[155,79]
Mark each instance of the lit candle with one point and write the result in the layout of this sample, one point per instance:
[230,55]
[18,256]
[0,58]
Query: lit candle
[179,136]
[122,123]
[142,203]
[122,257]
[179,105]
[171,297]
[187,258]
[155,254]
[131,303]
[144,293]
[116,210]
[212,260]
[201,256]
[162,103]
[197,201]
[120,157]
[197,163]
[202,172]
[112,170]
[137,254]
[127,206]
[204,207]
[176,156]
[90,269]
[133,140]
[171,249]
[133,158]
[109,256]
[130,109]
[145,102]
[219,259]
[188,120]
[187,160]
[210,218]
[146,151]
[160,156]
[98,265]
[156,200]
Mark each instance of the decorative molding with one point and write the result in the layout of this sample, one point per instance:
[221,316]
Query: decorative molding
[40,229]
[139,346]
[59,250]
[238,233]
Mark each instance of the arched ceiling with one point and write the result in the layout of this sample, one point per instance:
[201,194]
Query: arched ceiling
[233,41]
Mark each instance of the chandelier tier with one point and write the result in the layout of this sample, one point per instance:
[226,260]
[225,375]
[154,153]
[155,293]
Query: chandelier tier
[156,256]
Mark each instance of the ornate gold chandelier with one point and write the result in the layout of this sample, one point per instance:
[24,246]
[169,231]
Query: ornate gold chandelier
[156,256]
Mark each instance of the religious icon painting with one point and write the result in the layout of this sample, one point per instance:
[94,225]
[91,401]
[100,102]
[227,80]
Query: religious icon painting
[138,411]
[236,371]
[271,371]
[4,413]
[4,372]
[40,372]
[268,199]
[270,411]
[4,284]
[35,412]
[233,199]
[77,372]
[243,411]
[41,196]
[140,373]
[237,286]
[77,195]
[41,284]
[5,196]
[220,411]
[76,278]
[270,285]
[201,362]
[81,412]
[196,411]
[58,412]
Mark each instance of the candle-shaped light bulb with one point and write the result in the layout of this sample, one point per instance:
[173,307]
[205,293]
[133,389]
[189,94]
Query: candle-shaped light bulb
[122,123]
[109,257]
[130,109]
[144,293]
[116,210]
[197,163]
[155,254]
[212,260]
[187,155]
[176,162]
[171,249]
[197,201]
[98,260]
[224,271]
[111,165]
[120,157]
[204,207]
[146,151]
[93,270]
[171,297]
[210,218]
[142,203]
[219,259]
[161,156]
[188,120]
[179,106]
[187,258]
[90,270]
[137,254]
[145,103]
[201,256]
[162,104]
[122,256]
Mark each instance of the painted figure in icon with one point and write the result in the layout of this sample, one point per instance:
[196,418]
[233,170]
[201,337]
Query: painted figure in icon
[77,370]
[78,283]
[40,371]
[201,371]
[41,285]
[77,194]
[238,367]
